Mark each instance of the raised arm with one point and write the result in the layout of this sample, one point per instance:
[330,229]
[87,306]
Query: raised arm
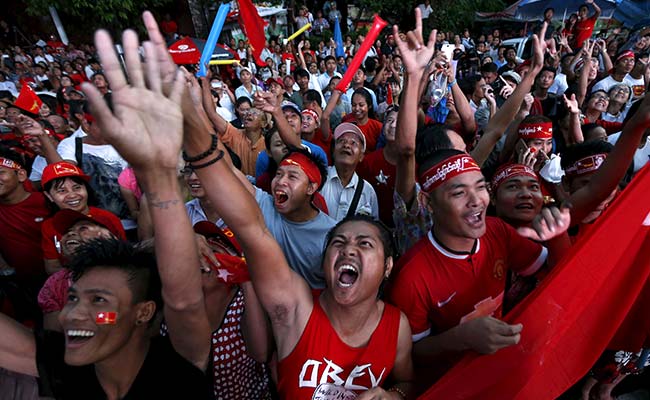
[29,126]
[597,9]
[217,120]
[267,102]
[415,56]
[508,111]
[17,347]
[575,125]
[325,119]
[583,80]
[146,129]
[607,177]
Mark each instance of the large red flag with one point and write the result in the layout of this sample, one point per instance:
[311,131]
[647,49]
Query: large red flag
[253,25]
[590,297]
[28,100]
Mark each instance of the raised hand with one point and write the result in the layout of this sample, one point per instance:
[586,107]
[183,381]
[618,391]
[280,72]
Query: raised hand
[265,101]
[415,54]
[28,126]
[571,104]
[528,157]
[146,124]
[549,223]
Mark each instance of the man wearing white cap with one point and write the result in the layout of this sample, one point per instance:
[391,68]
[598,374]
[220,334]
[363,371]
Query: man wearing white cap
[344,191]
[247,88]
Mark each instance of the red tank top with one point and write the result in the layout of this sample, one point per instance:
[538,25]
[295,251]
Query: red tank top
[322,357]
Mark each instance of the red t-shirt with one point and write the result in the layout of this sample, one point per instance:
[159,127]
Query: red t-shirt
[20,246]
[381,174]
[583,30]
[49,233]
[318,140]
[371,130]
[438,289]
[322,357]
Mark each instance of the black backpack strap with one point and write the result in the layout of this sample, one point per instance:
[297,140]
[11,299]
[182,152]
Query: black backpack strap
[355,200]
[78,150]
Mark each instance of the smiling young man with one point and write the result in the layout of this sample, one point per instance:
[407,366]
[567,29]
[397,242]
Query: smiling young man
[107,350]
[451,283]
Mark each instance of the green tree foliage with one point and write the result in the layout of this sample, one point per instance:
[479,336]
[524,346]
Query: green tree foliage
[448,15]
[112,14]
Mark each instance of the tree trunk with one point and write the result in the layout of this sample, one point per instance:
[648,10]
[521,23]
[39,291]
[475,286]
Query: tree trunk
[198,18]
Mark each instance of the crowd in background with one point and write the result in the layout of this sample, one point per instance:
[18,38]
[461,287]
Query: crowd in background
[563,119]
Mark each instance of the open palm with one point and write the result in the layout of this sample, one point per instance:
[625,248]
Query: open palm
[146,123]
[415,54]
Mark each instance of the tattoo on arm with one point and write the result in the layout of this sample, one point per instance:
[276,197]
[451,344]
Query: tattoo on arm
[156,202]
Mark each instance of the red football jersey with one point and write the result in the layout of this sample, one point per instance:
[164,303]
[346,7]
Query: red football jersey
[21,235]
[438,289]
[322,357]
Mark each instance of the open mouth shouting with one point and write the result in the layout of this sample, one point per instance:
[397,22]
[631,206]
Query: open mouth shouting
[280,197]
[346,275]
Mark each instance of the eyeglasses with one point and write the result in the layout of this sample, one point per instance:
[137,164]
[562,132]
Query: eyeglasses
[187,171]
[601,97]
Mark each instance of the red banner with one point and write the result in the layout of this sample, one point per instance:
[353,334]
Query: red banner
[589,299]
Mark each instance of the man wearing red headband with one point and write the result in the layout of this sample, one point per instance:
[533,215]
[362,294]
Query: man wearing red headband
[623,65]
[451,284]
[516,194]
[21,216]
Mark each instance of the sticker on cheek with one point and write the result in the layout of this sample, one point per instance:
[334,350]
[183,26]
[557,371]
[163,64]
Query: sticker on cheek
[106,318]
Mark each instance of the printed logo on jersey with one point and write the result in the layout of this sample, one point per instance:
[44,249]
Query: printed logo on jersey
[498,270]
[485,308]
[316,372]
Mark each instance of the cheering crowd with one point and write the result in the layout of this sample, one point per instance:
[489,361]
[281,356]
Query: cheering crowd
[265,231]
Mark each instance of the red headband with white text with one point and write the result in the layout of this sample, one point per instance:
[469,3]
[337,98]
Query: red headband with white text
[508,171]
[11,164]
[541,130]
[447,169]
[587,164]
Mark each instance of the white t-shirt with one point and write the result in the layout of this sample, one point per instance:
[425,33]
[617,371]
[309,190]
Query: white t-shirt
[559,85]
[638,86]
[338,198]
[66,150]
[608,82]
[38,166]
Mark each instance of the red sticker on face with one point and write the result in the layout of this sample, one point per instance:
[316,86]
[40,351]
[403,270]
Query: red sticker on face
[106,318]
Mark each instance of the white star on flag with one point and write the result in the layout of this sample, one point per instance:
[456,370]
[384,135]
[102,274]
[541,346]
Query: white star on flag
[223,274]
[381,178]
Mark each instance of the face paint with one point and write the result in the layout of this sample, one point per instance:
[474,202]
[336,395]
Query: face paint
[106,318]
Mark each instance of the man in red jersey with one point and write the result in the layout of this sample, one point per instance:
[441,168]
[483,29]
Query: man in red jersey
[21,216]
[585,25]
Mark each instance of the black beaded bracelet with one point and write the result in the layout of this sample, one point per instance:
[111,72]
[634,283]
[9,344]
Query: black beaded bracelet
[213,147]
[207,164]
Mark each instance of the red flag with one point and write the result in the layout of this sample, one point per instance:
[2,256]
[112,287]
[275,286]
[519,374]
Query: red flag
[106,318]
[253,25]
[28,100]
[590,297]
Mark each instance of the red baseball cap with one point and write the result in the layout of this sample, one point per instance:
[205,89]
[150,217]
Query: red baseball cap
[274,80]
[63,220]
[61,169]
[224,237]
